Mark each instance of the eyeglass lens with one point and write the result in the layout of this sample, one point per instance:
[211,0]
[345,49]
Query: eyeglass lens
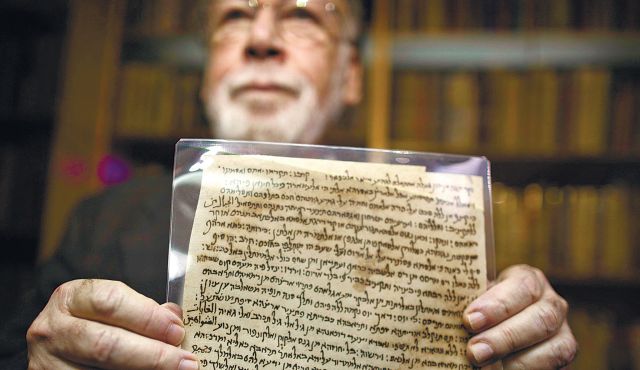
[296,21]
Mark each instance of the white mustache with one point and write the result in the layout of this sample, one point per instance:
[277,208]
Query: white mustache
[278,77]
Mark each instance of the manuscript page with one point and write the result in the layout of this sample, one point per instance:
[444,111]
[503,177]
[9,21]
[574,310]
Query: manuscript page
[309,263]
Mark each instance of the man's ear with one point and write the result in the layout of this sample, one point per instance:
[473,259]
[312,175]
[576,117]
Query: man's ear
[352,89]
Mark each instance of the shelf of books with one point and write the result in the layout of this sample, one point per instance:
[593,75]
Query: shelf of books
[550,92]
[156,99]
[30,46]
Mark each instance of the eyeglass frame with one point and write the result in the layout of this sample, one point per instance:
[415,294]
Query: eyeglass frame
[347,32]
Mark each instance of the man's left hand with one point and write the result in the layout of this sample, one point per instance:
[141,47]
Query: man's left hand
[520,323]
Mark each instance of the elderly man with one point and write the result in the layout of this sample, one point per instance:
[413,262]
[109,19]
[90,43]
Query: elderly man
[280,70]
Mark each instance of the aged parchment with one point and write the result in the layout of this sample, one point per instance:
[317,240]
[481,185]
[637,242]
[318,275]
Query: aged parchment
[318,264]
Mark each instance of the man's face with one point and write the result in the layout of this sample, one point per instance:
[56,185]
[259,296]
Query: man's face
[279,70]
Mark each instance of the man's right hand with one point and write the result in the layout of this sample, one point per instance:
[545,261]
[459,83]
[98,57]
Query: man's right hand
[107,325]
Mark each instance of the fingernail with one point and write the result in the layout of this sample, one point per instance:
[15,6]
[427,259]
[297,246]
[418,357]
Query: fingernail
[188,365]
[175,334]
[476,320]
[481,352]
[174,308]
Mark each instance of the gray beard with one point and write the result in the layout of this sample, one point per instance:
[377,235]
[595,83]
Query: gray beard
[301,120]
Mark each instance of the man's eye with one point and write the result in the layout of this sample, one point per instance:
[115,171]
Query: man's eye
[302,14]
[235,14]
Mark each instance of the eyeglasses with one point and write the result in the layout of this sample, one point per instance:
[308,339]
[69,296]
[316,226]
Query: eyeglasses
[299,22]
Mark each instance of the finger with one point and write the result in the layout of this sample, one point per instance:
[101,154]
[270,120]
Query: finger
[114,303]
[108,347]
[177,310]
[517,288]
[44,360]
[62,364]
[555,353]
[494,366]
[534,324]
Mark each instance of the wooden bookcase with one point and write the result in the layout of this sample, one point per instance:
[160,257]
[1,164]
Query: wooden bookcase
[549,104]
[31,35]
[82,134]
[30,45]
[548,90]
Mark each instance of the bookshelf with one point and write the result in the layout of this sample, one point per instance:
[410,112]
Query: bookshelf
[481,49]
[31,37]
[548,90]
[547,99]
[83,118]
[30,45]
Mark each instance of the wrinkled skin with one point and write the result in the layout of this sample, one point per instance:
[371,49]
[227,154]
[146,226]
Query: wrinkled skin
[520,323]
[107,325]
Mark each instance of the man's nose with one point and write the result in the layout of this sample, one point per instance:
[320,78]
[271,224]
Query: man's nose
[263,42]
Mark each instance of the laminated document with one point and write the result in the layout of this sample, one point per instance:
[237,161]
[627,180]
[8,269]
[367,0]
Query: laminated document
[314,257]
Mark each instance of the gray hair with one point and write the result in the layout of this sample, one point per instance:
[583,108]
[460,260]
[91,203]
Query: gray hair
[355,19]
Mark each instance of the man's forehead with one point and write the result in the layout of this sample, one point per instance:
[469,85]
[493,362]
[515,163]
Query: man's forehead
[342,5]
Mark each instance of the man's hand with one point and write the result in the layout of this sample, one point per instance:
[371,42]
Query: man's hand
[106,325]
[521,321]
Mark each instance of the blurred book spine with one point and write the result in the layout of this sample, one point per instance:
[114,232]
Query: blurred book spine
[146,18]
[587,112]
[520,15]
[574,232]
[156,101]
[583,110]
